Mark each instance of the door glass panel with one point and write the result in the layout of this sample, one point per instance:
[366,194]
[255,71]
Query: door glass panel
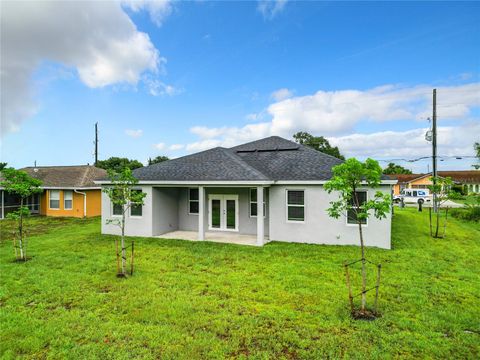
[215,213]
[231,214]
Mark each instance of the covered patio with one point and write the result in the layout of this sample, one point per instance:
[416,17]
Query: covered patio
[219,213]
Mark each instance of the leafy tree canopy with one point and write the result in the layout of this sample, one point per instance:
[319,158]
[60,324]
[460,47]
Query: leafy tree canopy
[318,143]
[117,164]
[158,159]
[476,146]
[3,165]
[347,179]
[19,182]
[396,169]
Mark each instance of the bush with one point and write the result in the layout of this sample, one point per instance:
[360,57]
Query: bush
[471,213]
[456,196]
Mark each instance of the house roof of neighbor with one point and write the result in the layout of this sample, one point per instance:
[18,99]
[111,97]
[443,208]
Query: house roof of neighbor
[269,159]
[78,176]
[458,176]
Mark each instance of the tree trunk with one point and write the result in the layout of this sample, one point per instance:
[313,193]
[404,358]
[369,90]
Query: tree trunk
[124,252]
[20,230]
[437,222]
[364,270]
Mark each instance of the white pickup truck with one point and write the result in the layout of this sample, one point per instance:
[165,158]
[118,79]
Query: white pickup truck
[413,196]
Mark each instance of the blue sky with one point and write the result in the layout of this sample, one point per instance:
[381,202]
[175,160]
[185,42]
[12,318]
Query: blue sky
[173,78]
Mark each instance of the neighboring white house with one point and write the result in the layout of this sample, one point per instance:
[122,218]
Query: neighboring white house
[223,190]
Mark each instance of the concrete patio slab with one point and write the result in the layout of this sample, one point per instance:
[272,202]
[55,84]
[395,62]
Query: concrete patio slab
[213,236]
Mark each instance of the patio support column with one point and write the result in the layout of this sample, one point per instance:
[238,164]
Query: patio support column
[3,205]
[260,219]
[201,213]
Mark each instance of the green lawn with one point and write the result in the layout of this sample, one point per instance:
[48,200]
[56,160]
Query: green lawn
[206,300]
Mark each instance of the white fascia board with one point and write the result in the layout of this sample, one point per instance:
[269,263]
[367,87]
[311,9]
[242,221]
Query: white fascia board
[323,182]
[196,183]
[70,188]
[239,183]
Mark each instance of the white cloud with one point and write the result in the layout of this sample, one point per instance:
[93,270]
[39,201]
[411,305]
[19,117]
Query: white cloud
[176,147]
[270,8]
[159,88]
[337,113]
[160,146]
[281,94]
[134,133]
[97,39]
[452,140]
[157,9]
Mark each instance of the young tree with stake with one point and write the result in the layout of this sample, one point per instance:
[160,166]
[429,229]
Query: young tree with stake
[442,188]
[122,194]
[348,178]
[23,185]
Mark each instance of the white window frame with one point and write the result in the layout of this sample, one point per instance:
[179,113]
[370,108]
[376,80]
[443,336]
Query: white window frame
[250,202]
[287,206]
[65,199]
[346,213]
[190,200]
[131,204]
[50,197]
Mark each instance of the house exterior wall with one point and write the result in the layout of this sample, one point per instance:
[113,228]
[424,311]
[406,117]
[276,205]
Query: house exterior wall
[134,225]
[318,227]
[166,209]
[94,204]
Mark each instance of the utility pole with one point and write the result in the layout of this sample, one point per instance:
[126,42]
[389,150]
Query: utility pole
[96,143]
[434,148]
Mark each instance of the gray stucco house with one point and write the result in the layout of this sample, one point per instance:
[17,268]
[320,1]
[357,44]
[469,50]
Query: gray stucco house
[225,189]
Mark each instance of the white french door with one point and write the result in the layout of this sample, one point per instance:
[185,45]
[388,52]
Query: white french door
[223,212]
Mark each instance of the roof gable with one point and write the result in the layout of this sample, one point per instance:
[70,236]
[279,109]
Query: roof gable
[269,159]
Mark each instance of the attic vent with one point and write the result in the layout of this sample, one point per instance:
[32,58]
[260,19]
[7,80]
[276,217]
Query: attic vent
[285,148]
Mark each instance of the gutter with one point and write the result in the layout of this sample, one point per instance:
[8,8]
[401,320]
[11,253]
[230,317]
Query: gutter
[84,202]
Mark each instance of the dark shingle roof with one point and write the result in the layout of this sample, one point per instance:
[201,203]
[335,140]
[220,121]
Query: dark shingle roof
[80,176]
[210,165]
[272,158]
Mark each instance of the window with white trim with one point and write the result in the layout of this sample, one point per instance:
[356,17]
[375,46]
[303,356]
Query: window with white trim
[351,214]
[54,199]
[296,205]
[193,202]
[136,209]
[67,199]
[117,209]
[253,203]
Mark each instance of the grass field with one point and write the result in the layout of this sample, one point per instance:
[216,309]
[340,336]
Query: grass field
[207,300]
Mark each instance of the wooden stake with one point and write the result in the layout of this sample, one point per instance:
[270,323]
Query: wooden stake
[430,216]
[118,259]
[445,223]
[379,267]
[131,261]
[349,286]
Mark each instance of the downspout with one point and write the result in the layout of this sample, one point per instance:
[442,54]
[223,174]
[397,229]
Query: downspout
[84,202]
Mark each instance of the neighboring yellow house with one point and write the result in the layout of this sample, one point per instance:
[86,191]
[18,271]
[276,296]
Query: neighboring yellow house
[470,179]
[68,191]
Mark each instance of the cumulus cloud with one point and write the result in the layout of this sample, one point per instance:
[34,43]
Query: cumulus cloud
[270,8]
[158,9]
[96,39]
[337,113]
[281,94]
[176,147]
[451,141]
[160,146]
[159,88]
[134,133]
